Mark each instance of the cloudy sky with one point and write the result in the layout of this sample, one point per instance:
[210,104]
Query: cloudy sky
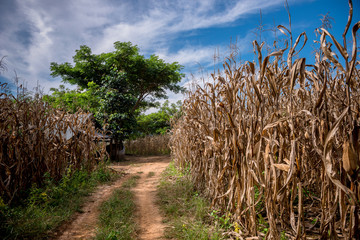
[34,33]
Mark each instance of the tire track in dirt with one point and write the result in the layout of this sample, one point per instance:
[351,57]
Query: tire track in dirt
[148,215]
[83,225]
[150,225]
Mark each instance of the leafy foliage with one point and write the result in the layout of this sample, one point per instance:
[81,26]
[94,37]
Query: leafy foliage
[116,84]
[73,100]
[158,122]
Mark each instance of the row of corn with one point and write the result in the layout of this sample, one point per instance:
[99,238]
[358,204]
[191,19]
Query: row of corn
[275,142]
[36,139]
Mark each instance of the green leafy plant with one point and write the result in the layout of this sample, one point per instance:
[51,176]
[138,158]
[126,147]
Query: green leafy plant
[263,225]
[223,220]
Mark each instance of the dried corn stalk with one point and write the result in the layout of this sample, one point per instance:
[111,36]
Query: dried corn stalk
[276,139]
[36,139]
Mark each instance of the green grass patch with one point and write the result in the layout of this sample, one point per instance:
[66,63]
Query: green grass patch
[150,174]
[186,211]
[48,207]
[131,182]
[116,220]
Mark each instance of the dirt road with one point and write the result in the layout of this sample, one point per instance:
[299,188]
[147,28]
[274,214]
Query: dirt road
[147,214]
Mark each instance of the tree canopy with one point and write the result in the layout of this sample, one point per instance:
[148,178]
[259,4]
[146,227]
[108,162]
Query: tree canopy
[158,122]
[116,84]
[73,100]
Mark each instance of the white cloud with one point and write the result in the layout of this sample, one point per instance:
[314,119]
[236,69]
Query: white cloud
[57,28]
[163,21]
[189,55]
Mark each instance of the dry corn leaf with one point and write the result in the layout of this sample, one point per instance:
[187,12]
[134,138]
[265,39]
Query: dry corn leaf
[283,167]
[349,157]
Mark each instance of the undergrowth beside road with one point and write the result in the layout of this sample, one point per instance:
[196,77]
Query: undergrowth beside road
[188,213]
[46,208]
[116,220]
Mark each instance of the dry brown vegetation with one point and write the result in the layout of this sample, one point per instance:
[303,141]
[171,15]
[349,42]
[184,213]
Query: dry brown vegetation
[149,145]
[36,139]
[276,143]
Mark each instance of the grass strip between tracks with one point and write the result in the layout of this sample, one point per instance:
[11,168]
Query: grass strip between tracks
[116,220]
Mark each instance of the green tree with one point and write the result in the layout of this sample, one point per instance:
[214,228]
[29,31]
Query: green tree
[73,100]
[158,122]
[123,81]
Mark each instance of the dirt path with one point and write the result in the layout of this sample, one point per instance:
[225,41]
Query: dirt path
[148,215]
[149,219]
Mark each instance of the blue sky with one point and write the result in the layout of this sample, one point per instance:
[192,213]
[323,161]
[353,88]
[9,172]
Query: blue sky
[34,33]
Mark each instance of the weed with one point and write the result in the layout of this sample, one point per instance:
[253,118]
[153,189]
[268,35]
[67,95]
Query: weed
[262,224]
[223,220]
[131,182]
[47,207]
[283,236]
[186,211]
[116,217]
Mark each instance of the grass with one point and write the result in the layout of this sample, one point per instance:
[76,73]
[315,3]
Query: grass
[187,212]
[46,208]
[151,174]
[116,219]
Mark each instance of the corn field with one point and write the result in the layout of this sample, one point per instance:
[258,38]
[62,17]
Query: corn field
[149,145]
[276,143]
[36,139]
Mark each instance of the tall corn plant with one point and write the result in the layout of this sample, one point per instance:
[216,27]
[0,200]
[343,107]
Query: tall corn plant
[149,145]
[36,139]
[278,140]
